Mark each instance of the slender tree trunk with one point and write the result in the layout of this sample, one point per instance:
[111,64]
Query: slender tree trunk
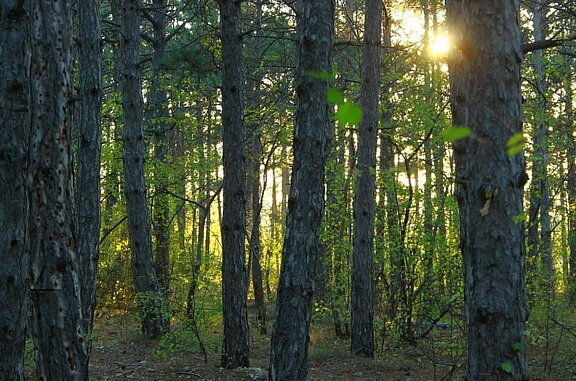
[289,347]
[14,129]
[158,106]
[58,328]
[154,321]
[234,274]
[254,158]
[364,199]
[540,240]
[571,190]
[485,97]
[88,175]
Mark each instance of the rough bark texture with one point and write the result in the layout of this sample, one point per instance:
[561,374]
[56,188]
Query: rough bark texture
[88,173]
[154,321]
[158,106]
[58,328]
[364,199]
[234,273]
[14,128]
[289,348]
[485,96]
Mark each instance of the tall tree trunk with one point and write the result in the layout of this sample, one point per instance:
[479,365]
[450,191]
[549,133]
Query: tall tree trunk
[88,175]
[485,97]
[154,321]
[364,199]
[571,189]
[158,106]
[14,129]
[289,347]
[58,327]
[540,231]
[254,189]
[234,274]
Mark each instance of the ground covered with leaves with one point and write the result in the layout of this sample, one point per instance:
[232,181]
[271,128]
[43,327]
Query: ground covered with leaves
[119,353]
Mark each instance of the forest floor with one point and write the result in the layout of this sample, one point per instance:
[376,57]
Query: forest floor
[119,353]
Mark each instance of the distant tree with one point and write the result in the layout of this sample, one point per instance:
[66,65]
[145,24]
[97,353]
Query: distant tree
[254,209]
[364,198]
[539,237]
[158,121]
[57,324]
[14,129]
[234,273]
[485,97]
[89,147]
[289,347]
[154,320]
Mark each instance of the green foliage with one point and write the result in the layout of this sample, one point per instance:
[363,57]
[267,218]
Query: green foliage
[506,367]
[515,144]
[456,133]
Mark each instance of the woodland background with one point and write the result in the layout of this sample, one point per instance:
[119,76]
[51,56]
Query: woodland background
[162,65]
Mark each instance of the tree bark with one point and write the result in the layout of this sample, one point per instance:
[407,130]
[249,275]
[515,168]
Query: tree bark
[88,172]
[234,273]
[540,231]
[158,106]
[364,200]
[289,347]
[58,328]
[154,321]
[485,97]
[254,157]
[14,129]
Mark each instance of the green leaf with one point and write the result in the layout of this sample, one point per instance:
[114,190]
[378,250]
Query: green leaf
[334,96]
[518,346]
[348,113]
[515,144]
[456,133]
[520,218]
[506,367]
[319,74]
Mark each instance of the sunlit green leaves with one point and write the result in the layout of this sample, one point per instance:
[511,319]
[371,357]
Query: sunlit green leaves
[320,74]
[515,144]
[455,133]
[506,367]
[520,218]
[334,96]
[348,113]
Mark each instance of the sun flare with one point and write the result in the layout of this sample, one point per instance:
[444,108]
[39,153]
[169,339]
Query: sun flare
[439,45]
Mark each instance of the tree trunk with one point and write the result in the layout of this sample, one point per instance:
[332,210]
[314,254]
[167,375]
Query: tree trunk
[571,190]
[88,175]
[58,328]
[234,274]
[289,347]
[158,106]
[14,129]
[485,97]
[154,321]
[254,158]
[364,200]
[540,231]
